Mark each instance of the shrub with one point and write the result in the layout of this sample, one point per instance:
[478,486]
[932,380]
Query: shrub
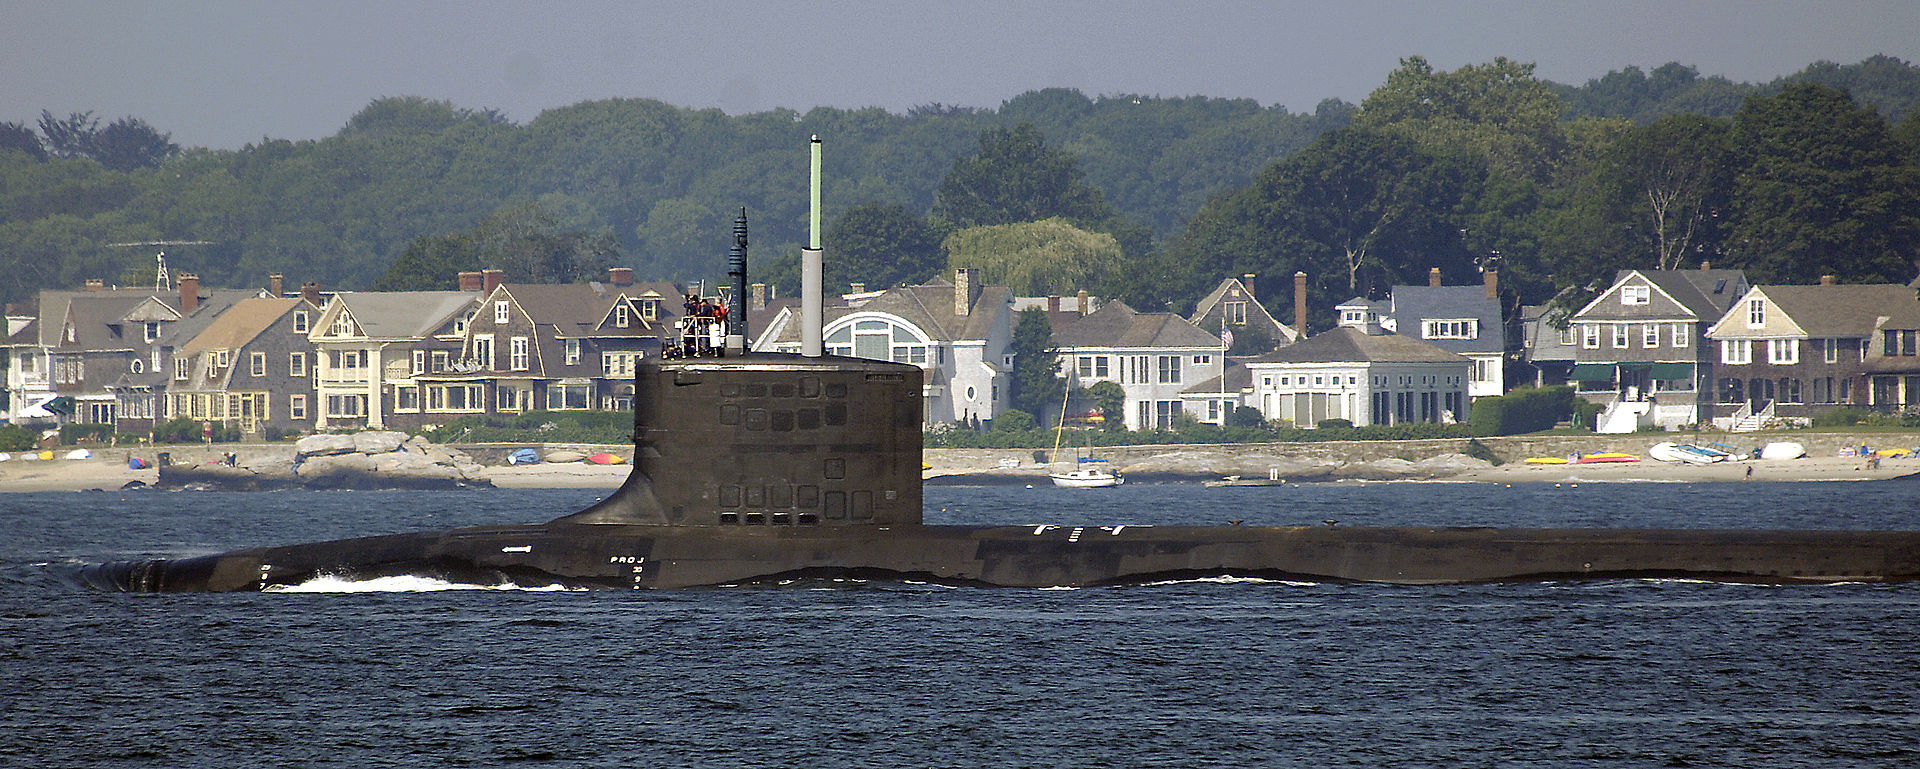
[184,430]
[16,438]
[1523,410]
[1013,421]
[540,427]
[71,434]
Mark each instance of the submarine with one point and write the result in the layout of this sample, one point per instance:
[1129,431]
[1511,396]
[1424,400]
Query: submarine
[768,467]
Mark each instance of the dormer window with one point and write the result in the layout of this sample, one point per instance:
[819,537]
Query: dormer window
[153,330]
[1636,294]
[650,309]
[620,314]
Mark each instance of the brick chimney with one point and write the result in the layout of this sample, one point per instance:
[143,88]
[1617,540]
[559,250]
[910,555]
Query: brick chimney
[1246,281]
[1300,304]
[966,290]
[620,276]
[275,283]
[1828,280]
[95,284]
[1082,298]
[470,281]
[491,279]
[1053,303]
[856,288]
[1492,276]
[1433,277]
[189,292]
[757,296]
[310,291]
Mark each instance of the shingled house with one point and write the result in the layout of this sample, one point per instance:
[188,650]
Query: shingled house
[251,368]
[1643,352]
[1232,306]
[1790,352]
[957,331]
[1153,356]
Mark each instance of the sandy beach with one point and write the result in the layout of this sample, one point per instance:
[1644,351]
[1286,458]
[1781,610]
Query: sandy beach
[112,473]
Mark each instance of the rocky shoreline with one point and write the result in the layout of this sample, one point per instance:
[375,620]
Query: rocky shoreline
[373,459]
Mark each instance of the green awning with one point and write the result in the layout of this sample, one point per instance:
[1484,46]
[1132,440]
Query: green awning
[1592,372]
[1665,371]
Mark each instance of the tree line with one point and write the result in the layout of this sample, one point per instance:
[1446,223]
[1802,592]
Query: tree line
[1149,199]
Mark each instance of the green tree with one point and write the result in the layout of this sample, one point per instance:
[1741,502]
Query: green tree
[1015,177]
[129,143]
[1048,257]
[71,136]
[1111,399]
[20,138]
[882,245]
[1036,386]
[1670,179]
[1822,190]
[1497,111]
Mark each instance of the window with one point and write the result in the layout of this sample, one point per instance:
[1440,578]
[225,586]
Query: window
[1590,336]
[517,353]
[1756,313]
[1169,369]
[346,406]
[1566,336]
[620,314]
[573,351]
[297,407]
[182,366]
[1736,351]
[1202,360]
[483,350]
[460,323]
[342,325]
[1451,329]
[296,364]
[456,397]
[300,322]
[222,358]
[406,398]
[1898,344]
[501,313]
[566,396]
[1235,313]
[257,364]
[1619,336]
[1650,336]
[1636,294]
[439,360]
[1084,366]
[620,364]
[1682,336]
[419,361]
[1100,366]
[1831,350]
[153,330]
[135,366]
[1783,352]
[650,309]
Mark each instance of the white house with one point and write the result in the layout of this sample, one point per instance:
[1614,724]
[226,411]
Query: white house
[1152,356]
[1359,373]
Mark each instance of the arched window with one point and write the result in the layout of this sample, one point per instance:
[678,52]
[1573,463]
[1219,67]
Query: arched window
[878,338]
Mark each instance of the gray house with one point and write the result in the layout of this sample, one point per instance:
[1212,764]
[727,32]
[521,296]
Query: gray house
[1643,352]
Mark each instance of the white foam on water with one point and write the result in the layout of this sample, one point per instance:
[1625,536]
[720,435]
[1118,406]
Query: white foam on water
[1231,581]
[401,584]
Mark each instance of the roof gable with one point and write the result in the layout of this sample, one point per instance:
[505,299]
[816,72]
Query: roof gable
[1351,345]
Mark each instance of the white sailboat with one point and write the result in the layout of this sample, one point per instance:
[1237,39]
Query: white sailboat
[1089,472]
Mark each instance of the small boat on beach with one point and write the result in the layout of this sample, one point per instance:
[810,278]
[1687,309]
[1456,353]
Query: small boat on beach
[1681,452]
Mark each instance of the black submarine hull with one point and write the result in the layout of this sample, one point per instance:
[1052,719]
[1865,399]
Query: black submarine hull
[663,557]
[764,468]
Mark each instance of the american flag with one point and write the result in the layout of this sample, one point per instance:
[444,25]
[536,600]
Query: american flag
[1226,336]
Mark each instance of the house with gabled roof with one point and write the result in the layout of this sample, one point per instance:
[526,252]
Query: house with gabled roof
[371,347]
[250,368]
[1643,352]
[80,344]
[1893,359]
[1461,319]
[1153,356]
[1790,352]
[958,332]
[545,346]
[1359,372]
[1232,306]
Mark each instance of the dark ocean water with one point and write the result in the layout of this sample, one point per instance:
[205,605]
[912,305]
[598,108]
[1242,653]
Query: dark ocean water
[1191,674]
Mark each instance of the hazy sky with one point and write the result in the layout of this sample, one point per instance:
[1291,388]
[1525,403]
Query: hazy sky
[222,73]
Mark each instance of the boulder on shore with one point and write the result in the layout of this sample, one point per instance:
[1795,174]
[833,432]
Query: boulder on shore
[373,459]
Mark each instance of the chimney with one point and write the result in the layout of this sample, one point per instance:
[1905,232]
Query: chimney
[470,281]
[1053,303]
[1492,276]
[857,288]
[275,282]
[1433,277]
[310,291]
[758,296]
[620,276]
[189,292]
[1828,280]
[1246,281]
[1300,304]
[966,289]
[490,279]
[95,284]
[1082,297]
